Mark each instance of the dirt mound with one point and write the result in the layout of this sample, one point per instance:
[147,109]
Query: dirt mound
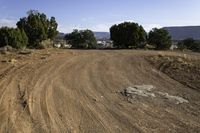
[183,69]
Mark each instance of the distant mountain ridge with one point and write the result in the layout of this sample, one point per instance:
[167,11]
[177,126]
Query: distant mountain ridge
[60,35]
[184,32]
[102,35]
[177,33]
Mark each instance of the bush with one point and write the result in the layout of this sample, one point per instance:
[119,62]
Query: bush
[190,44]
[14,37]
[81,39]
[38,27]
[45,44]
[198,47]
[127,35]
[160,38]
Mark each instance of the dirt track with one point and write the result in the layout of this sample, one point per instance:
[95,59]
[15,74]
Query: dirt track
[79,91]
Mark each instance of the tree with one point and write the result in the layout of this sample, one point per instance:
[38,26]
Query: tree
[14,37]
[190,44]
[52,30]
[160,38]
[38,27]
[127,35]
[81,39]
[197,49]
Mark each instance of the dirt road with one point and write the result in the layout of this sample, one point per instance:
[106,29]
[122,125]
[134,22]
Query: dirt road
[79,91]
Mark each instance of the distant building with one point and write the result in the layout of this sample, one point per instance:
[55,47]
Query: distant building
[174,46]
[104,44]
[60,43]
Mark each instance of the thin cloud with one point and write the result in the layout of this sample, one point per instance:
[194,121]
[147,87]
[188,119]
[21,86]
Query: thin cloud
[7,22]
[69,28]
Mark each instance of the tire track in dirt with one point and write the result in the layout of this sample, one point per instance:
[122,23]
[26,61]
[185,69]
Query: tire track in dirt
[80,93]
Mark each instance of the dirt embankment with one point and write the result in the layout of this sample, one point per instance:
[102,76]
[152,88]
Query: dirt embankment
[80,91]
[183,69]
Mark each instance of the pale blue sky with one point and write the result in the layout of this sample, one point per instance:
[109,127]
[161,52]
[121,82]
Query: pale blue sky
[99,15]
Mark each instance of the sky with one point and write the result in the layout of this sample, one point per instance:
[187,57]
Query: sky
[100,15]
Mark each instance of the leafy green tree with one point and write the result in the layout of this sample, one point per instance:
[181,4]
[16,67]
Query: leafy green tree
[160,38]
[197,47]
[52,29]
[14,37]
[81,39]
[127,35]
[190,44]
[38,27]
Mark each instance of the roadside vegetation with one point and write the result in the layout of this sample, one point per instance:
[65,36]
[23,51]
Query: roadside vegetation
[128,35]
[36,30]
[160,39]
[14,37]
[189,44]
[31,31]
[81,39]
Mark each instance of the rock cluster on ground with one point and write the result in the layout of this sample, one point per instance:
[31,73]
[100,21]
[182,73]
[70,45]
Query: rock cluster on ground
[149,91]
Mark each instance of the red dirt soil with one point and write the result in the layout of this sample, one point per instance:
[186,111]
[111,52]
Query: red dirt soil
[79,91]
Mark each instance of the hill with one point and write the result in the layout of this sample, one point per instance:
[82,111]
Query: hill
[60,35]
[102,35]
[181,33]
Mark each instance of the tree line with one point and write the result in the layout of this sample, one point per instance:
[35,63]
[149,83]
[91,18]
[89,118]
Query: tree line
[36,28]
[133,35]
[124,35]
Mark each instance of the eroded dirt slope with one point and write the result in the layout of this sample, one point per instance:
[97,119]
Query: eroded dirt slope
[184,69]
[79,91]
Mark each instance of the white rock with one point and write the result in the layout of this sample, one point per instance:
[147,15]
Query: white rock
[140,90]
[176,99]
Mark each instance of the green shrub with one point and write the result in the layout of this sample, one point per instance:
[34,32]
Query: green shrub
[45,44]
[160,38]
[81,39]
[14,37]
[190,44]
[38,27]
[127,35]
